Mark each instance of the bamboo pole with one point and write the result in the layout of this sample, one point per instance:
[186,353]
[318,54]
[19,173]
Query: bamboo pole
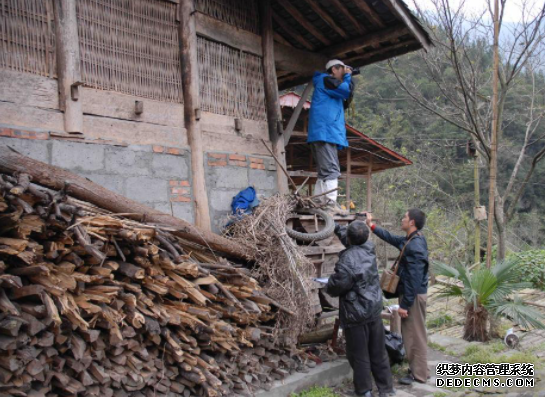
[494,139]
[348,177]
[190,87]
[370,185]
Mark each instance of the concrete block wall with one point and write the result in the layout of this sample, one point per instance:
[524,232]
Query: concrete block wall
[157,176]
[229,173]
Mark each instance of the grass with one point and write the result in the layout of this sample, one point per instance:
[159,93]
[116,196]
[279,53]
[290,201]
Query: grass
[440,394]
[440,348]
[317,392]
[442,320]
[496,353]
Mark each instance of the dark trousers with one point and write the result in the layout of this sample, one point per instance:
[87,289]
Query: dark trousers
[366,352]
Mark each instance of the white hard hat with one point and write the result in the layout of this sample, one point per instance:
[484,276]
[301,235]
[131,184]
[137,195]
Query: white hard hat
[334,62]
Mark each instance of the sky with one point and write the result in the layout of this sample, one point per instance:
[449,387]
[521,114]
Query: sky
[513,8]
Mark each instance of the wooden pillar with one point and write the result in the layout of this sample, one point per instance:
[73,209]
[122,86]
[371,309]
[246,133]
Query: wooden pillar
[348,174]
[271,92]
[68,64]
[190,86]
[370,185]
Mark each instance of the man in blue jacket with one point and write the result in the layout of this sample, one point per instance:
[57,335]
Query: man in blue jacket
[327,130]
[412,289]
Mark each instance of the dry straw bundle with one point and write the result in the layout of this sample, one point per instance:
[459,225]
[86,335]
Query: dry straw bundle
[281,266]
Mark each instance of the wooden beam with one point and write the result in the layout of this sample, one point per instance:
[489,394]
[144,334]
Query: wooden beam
[385,53]
[299,61]
[326,17]
[292,32]
[278,38]
[403,14]
[368,40]
[296,113]
[370,184]
[190,88]
[357,24]
[315,175]
[222,32]
[287,58]
[68,64]
[300,18]
[271,93]
[348,176]
[369,13]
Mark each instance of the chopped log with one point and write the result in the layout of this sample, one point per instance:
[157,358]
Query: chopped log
[131,271]
[83,189]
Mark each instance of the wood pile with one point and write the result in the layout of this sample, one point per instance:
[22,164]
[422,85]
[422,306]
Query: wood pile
[93,304]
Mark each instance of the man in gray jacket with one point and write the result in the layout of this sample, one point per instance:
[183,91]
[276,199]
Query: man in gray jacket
[357,285]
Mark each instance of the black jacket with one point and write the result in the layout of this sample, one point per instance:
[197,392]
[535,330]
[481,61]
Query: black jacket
[413,266]
[356,283]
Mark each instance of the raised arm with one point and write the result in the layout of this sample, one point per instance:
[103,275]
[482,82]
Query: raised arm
[385,235]
[337,89]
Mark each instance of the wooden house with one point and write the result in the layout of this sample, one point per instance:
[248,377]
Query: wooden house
[168,102]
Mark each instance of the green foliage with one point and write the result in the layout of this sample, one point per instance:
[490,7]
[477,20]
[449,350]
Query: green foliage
[531,267]
[492,289]
[317,392]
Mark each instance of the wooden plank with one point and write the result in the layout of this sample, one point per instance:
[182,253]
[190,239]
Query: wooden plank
[190,86]
[68,64]
[300,18]
[216,30]
[121,106]
[292,32]
[315,175]
[271,92]
[368,40]
[326,17]
[348,15]
[28,89]
[287,58]
[296,113]
[403,13]
[369,13]
[130,132]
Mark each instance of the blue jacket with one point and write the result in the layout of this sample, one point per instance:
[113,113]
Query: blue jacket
[413,266]
[326,122]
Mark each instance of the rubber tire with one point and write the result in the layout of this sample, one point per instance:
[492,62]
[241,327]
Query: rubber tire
[326,232]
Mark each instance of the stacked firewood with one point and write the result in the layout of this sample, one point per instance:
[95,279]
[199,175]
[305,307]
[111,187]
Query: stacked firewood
[94,304]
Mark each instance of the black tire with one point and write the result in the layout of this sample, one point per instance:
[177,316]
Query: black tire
[326,232]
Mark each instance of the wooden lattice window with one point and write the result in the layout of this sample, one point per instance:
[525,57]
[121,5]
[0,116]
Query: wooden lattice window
[27,37]
[130,46]
[240,13]
[231,81]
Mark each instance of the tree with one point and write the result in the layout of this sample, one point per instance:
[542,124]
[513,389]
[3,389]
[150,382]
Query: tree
[460,69]
[488,291]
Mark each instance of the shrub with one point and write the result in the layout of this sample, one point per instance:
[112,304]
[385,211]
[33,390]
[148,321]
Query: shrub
[531,267]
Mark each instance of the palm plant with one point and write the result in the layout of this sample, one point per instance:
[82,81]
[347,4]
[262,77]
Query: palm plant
[488,292]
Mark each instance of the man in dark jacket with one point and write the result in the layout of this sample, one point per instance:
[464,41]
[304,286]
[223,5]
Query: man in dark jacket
[412,290]
[356,283]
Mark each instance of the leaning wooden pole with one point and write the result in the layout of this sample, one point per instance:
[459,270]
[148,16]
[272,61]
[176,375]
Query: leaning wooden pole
[83,189]
[271,91]
[494,138]
[190,87]
[68,64]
